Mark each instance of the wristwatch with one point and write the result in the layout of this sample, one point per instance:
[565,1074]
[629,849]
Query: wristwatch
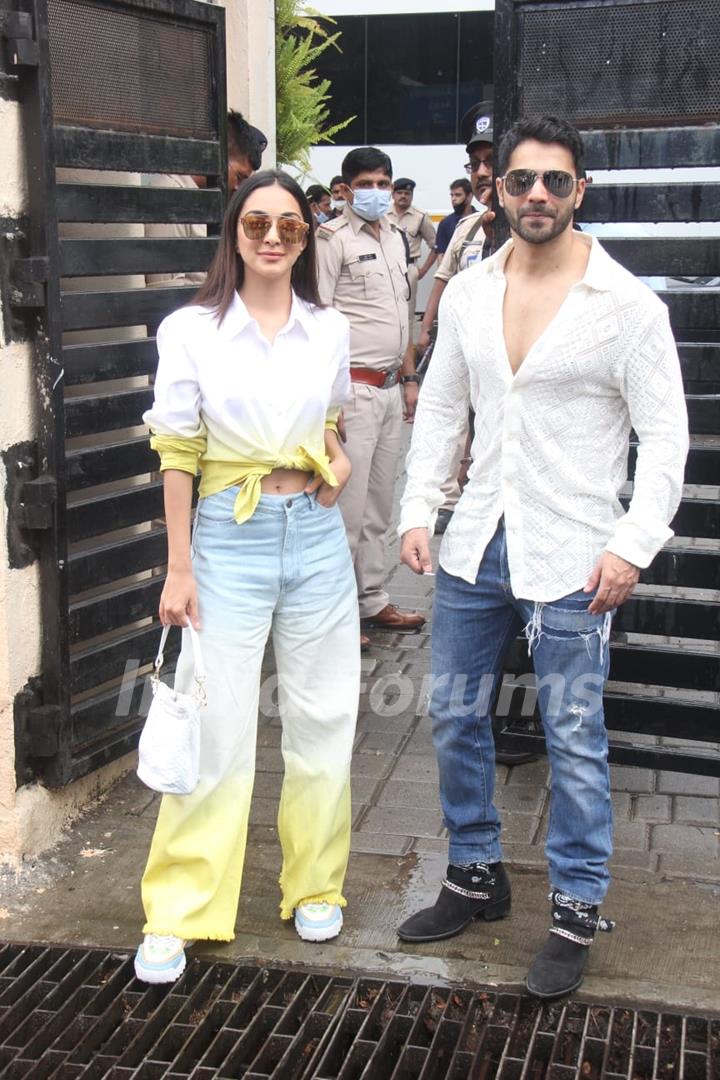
[408,378]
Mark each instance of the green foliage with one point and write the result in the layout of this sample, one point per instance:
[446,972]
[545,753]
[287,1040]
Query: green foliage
[302,110]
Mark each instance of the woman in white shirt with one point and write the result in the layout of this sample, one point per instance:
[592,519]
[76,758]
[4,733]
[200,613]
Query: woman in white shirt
[250,381]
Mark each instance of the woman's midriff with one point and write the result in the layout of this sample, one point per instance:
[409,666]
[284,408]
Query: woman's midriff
[285,481]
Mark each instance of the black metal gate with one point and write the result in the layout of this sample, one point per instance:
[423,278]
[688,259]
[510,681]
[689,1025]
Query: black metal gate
[641,79]
[107,87]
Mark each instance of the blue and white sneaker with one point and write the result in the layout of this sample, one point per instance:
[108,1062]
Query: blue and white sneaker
[160,958]
[318,922]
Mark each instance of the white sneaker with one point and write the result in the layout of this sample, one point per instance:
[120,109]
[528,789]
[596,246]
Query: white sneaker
[160,958]
[318,922]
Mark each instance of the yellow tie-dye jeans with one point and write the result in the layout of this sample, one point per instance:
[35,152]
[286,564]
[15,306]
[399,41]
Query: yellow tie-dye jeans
[286,570]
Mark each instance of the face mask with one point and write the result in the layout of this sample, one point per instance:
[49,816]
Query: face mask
[371,203]
[337,204]
[320,217]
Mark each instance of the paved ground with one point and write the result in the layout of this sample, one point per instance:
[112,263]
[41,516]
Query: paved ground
[666,868]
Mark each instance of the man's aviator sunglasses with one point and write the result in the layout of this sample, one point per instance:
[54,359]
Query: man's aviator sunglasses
[520,181]
[289,229]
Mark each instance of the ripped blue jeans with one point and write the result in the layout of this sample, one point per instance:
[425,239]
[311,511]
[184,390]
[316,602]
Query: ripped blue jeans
[473,626]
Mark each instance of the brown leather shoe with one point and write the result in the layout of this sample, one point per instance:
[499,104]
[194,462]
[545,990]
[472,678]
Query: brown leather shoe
[364,643]
[391,618]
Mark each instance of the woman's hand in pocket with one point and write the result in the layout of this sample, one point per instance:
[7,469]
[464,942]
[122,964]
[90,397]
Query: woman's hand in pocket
[326,495]
[179,600]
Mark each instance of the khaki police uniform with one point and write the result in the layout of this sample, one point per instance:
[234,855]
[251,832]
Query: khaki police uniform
[463,251]
[365,278]
[417,226]
[177,231]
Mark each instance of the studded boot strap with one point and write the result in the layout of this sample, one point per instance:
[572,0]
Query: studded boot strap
[576,921]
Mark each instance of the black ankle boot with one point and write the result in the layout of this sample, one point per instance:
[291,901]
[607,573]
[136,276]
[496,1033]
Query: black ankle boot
[480,891]
[560,965]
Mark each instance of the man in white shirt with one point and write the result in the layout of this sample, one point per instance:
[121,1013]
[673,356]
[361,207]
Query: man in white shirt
[560,352]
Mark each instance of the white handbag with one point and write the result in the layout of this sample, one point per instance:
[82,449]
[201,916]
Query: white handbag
[169,750]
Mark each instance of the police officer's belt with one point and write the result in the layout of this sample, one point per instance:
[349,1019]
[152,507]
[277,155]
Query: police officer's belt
[383,379]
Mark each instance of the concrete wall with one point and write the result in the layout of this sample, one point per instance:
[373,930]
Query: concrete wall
[19,651]
[250,28]
[32,818]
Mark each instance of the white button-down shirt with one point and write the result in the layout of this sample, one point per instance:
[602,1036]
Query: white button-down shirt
[253,400]
[551,442]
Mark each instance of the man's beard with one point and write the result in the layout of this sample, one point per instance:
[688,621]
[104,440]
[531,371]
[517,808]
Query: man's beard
[540,230]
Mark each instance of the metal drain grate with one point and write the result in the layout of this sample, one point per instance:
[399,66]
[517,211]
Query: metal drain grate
[67,1013]
[392,1030]
[71,1012]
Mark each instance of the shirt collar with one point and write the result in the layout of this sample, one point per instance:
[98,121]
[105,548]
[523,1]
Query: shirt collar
[599,273]
[238,318]
[356,222]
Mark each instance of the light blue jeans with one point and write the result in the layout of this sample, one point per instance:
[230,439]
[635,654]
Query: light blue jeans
[473,626]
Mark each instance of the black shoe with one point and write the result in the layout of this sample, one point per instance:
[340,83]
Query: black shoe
[559,967]
[480,891]
[511,758]
[442,521]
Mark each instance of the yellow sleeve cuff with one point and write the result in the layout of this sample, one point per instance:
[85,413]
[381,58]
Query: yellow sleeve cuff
[331,419]
[179,453]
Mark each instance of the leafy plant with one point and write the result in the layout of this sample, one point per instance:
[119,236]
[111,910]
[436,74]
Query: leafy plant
[302,97]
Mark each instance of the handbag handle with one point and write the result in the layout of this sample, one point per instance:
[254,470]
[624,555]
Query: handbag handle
[199,667]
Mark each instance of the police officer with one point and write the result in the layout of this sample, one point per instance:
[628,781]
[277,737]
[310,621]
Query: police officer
[362,271]
[464,249]
[469,237]
[337,196]
[417,226]
[319,199]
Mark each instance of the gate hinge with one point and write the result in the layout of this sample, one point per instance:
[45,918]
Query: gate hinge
[37,501]
[27,283]
[42,730]
[22,48]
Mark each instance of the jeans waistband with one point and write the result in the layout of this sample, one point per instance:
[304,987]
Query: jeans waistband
[274,504]
[280,504]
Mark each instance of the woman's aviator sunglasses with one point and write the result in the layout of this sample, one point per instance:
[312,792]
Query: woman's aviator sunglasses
[290,230]
[520,181]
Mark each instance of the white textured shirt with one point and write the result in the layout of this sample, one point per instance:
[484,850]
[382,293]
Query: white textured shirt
[551,442]
[252,400]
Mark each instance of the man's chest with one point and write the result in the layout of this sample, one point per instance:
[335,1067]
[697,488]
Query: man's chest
[470,252]
[553,343]
[468,242]
[527,315]
[371,271]
[409,222]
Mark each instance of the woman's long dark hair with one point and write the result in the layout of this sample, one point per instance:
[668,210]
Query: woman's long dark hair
[227,271]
